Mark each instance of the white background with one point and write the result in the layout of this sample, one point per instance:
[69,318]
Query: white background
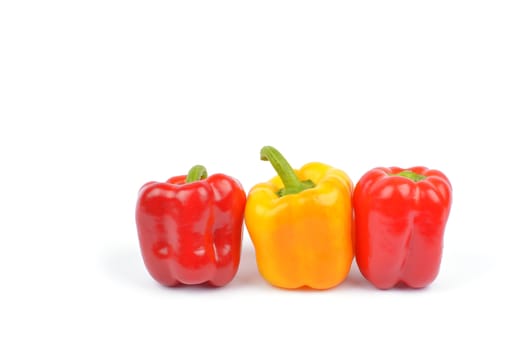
[99,97]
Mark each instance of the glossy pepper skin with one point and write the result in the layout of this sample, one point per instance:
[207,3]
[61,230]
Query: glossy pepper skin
[400,217]
[301,239]
[191,232]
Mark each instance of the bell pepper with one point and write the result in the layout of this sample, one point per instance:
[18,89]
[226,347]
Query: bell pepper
[400,218]
[300,224]
[190,228]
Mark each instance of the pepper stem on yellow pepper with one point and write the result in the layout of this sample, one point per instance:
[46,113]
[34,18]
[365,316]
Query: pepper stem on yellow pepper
[292,183]
[197,172]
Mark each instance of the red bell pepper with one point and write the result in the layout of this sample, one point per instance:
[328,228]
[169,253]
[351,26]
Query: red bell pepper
[400,219]
[190,228]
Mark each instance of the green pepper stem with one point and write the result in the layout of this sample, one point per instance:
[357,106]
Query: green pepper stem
[197,172]
[409,174]
[292,183]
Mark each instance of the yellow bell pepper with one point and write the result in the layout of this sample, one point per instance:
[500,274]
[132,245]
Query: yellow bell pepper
[300,223]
